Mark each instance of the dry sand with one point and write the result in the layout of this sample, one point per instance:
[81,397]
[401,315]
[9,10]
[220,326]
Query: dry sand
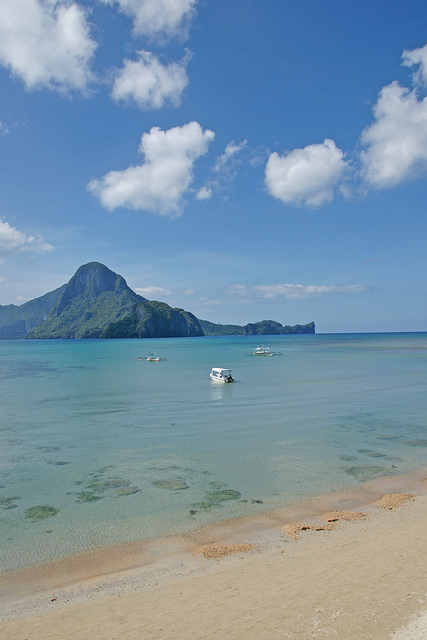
[357,573]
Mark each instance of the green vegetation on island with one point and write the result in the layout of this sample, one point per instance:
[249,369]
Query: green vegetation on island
[263,328]
[152,320]
[97,303]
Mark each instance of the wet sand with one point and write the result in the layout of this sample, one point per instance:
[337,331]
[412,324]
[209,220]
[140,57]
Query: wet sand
[345,565]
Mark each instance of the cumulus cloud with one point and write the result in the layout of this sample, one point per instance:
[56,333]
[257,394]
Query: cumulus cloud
[149,83]
[396,142]
[46,43]
[292,291]
[417,57]
[158,18]
[12,240]
[305,176]
[159,184]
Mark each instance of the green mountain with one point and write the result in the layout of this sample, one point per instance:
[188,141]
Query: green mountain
[16,322]
[270,327]
[153,319]
[97,303]
[94,298]
[263,328]
[212,329]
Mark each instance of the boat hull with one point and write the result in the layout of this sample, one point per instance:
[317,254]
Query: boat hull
[216,379]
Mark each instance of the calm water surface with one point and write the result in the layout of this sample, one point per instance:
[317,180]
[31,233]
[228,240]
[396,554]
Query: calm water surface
[98,447]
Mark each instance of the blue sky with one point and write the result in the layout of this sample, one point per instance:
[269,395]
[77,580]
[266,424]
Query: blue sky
[243,159]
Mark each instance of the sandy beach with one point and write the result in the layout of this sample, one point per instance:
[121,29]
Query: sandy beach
[349,565]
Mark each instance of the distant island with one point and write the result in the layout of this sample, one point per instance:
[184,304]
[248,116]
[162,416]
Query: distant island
[97,303]
[263,328]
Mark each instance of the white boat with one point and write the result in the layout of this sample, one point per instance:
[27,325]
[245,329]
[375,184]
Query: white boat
[152,357]
[264,351]
[221,375]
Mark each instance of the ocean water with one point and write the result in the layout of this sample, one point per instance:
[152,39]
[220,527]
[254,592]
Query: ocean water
[98,448]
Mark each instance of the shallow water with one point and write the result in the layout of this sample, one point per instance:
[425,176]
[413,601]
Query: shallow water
[115,449]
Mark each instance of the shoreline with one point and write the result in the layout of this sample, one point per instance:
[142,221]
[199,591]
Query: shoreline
[144,567]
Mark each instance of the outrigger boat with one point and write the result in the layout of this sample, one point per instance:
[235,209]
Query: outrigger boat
[152,357]
[221,375]
[264,351]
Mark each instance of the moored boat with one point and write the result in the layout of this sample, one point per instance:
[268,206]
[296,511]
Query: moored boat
[152,357]
[221,375]
[264,351]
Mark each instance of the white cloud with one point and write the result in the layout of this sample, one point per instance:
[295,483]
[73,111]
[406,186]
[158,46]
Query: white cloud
[230,151]
[292,291]
[225,170]
[158,18]
[205,305]
[152,293]
[159,184]
[396,142]
[417,57]
[12,240]
[204,193]
[305,176]
[149,83]
[46,43]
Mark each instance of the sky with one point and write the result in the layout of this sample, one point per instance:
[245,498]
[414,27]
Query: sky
[245,160]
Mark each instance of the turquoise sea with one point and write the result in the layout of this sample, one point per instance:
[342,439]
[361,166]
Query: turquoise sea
[98,448]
